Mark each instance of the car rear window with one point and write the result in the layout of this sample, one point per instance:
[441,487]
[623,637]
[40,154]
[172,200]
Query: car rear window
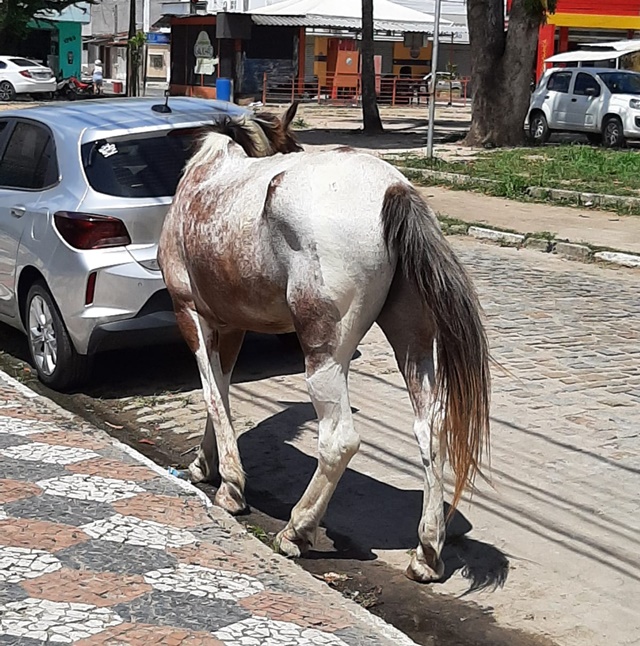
[139,166]
[23,62]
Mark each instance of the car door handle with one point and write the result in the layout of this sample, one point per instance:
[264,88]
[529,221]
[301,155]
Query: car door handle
[18,211]
[573,100]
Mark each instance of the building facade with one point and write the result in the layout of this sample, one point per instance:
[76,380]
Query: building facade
[584,21]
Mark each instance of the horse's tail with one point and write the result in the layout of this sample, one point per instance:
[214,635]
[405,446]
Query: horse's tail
[462,383]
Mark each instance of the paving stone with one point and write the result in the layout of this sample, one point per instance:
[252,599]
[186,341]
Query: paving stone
[260,630]
[39,452]
[8,440]
[49,621]
[74,438]
[20,563]
[10,591]
[12,490]
[39,534]
[147,635]
[84,487]
[182,611]
[134,531]
[176,512]
[204,582]
[59,509]
[29,471]
[107,556]
[85,586]
[113,469]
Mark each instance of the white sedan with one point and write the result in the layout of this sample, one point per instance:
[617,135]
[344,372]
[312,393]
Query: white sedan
[22,76]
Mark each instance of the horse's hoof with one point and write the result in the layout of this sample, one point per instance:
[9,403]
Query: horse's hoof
[421,572]
[293,547]
[230,499]
[196,472]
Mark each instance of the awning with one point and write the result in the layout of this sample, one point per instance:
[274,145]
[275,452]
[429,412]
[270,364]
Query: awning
[346,14]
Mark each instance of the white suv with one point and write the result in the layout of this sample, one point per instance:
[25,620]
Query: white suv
[602,103]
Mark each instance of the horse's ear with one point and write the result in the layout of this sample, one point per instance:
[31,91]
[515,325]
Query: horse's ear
[289,115]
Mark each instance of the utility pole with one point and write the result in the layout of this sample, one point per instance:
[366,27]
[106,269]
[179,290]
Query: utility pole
[434,80]
[146,26]
[131,74]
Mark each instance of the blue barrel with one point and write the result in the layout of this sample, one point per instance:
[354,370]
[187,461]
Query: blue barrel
[224,89]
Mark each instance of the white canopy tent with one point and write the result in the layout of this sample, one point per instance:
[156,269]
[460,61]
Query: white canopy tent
[598,52]
[346,14]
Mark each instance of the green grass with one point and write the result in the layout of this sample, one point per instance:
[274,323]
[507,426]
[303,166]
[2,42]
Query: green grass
[575,167]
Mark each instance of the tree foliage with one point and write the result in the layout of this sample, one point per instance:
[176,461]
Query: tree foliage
[15,16]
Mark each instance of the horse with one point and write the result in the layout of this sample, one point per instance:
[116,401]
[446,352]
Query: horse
[325,244]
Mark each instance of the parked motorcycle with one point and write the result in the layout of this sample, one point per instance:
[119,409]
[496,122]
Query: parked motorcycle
[73,88]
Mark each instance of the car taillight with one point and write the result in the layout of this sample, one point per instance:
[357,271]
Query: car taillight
[26,73]
[87,231]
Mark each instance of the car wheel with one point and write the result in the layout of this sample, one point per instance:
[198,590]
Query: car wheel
[613,133]
[46,96]
[52,353]
[595,138]
[7,91]
[539,128]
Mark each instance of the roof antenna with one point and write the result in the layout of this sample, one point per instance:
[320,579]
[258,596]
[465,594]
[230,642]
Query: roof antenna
[163,109]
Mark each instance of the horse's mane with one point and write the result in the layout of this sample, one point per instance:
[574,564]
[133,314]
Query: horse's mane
[262,136]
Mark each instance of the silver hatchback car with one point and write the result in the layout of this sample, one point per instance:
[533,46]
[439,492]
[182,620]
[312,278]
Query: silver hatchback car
[84,190]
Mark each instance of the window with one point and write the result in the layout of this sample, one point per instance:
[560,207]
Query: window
[3,65]
[156,61]
[23,62]
[586,85]
[29,160]
[621,82]
[138,166]
[559,82]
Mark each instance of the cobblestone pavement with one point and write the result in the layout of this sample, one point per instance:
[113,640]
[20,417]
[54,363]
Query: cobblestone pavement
[99,547]
[554,543]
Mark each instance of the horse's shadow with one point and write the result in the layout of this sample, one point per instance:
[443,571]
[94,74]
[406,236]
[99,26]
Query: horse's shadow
[365,514]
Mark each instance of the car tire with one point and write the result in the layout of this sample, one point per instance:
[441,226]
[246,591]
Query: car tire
[46,96]
[7,91]
[539,131]
[595,138]
[613,133]
[53,356]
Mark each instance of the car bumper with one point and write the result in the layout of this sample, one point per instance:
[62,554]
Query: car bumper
[35,86]
[130,305]
[150,326]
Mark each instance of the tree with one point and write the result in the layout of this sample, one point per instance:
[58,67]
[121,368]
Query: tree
[370,114]
[501,67]
[15,15]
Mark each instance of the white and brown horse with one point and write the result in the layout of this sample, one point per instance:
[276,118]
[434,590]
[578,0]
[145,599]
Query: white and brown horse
[326,244]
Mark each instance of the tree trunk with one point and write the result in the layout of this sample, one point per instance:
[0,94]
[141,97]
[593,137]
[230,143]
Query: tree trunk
[370,114]
[501,71]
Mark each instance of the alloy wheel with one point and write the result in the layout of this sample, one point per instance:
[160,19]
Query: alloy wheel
[6,91]
[612,133]
[42,336]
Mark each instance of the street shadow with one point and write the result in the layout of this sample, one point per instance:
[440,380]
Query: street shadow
[413,136]
[150,370]
[365,514]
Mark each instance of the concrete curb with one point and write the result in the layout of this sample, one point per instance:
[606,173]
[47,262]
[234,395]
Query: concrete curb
[537,192]
[564,248]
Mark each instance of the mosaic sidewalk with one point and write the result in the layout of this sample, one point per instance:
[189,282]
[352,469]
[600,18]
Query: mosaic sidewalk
[100,546]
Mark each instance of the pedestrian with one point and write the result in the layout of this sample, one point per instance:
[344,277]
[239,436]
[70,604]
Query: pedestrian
[97,76]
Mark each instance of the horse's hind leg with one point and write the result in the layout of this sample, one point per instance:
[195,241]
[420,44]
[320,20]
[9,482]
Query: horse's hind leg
[216,354]
[328,344]
[409,329]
